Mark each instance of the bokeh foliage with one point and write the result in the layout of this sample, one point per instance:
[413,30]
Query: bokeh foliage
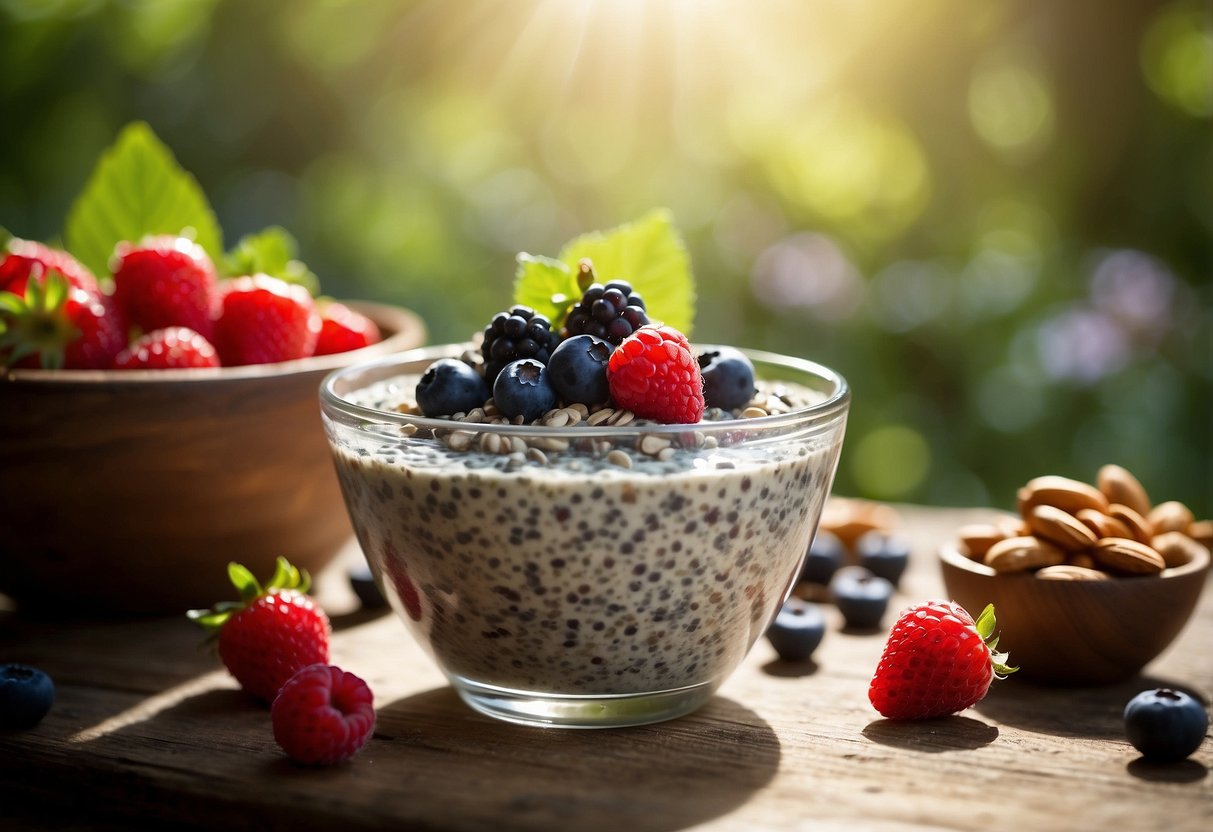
[996,219]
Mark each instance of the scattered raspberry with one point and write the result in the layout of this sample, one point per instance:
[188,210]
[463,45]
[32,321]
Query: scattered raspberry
[342,329]
[323,715]
[654,374]
[165,281]
[173,348]
[264,320]
[276,631]
[26,257]
[936,662]
[56,325]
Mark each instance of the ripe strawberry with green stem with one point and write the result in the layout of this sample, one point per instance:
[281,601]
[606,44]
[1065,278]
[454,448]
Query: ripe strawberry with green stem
[163,281]
[264,320]
[937,661]
[28,257]
[53,324]
[343,329]
[271,632]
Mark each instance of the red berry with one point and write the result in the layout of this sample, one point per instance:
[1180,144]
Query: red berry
[165,281]
[167,349]
[56,325]
[654,374]
[936,662]
[342,329]
[276,631]
[26,257]
[323,715]
[265,320]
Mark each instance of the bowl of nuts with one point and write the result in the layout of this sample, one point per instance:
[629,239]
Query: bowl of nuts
[1091,582]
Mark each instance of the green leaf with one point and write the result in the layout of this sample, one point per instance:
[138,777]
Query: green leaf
[986,623]
[244,581]
[5,236]
[137,188]
[272,251]
[546,285]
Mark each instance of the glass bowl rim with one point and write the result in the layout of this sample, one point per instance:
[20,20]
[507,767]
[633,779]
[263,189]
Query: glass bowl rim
[824,412]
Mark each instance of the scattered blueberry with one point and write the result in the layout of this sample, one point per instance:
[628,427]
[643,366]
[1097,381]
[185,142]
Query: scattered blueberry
[1165,725]
[450,386]
[362,581]
[884,553]
[826,554]
[522,389]
[577,370]
[26,695]
[797,630]
[860,596]
[728,378]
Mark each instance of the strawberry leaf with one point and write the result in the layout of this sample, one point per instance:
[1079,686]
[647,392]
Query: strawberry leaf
[5,236]
[272,251]
[137,188]
[986,623]
[244,581]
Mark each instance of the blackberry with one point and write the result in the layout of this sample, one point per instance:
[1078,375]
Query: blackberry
[514,335]
[611,312]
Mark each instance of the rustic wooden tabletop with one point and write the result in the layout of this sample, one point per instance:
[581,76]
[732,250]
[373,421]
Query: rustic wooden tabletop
[148,729]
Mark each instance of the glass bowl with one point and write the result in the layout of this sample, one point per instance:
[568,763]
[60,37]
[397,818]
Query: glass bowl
[589,575]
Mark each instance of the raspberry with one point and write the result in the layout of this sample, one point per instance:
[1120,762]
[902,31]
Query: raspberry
[654,374]
[323,715]
[611,312]
[510,336]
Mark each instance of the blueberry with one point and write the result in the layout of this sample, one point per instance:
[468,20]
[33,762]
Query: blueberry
[362,581]
[797,630]
[450,386]
[728,378]
[860,596]
[577,370]
[26,695]
[1165,725]
[522,389]
[885,554]
[826,554]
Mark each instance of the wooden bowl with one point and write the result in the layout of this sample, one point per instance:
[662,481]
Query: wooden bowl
[1079,632]
[129,491]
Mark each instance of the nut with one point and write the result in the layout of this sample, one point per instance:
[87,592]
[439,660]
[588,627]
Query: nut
[1022,554]
[1069,572]
[850,518]
[1082,559]
[1058,527]
[1202,532]
[1129,557]
[977,538]
[1138,526]
[1102,524]
[1119,486]
[1171,516]
[1176,548]
[1060,492]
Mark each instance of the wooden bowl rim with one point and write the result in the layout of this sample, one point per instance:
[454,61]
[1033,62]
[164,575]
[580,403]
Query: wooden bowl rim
[951,555]
[406,327]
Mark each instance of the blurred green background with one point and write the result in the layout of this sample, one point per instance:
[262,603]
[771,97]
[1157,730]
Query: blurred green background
[995,218]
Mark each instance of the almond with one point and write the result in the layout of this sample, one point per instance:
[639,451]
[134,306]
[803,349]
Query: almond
[1082,559]
[1022,554]
[1171,516]
[977,538]
[1202,532]
[1060,492]
[1138,526]
[1068,572]
[1128,557]
[1056,526]
[1102,524]
[1176,548]
[1119,486]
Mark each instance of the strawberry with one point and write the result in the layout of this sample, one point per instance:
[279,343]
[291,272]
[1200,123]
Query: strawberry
[342,329]
[264,320]
[165,281]
[54,324]
[937,662]
[323,715]
[654,374]
[172,348]
[26,257]
[271,632]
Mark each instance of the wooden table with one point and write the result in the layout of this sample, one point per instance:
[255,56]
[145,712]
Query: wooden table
[147,727]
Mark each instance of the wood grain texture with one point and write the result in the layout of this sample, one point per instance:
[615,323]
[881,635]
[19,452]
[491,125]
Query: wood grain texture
[147,727]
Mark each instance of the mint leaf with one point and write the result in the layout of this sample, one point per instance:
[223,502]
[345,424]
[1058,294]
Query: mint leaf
[137,188]
[545,285]
[272,251]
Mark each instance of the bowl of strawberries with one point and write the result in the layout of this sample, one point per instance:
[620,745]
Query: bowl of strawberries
[160,420]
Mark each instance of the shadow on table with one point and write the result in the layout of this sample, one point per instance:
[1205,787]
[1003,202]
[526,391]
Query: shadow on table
[952,733]
[501,776]
[1183,771]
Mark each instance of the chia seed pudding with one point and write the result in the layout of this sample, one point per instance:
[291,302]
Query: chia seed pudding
[567,568]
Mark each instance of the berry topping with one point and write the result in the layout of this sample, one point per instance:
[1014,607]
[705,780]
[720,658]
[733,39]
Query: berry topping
[885,554]
[26,257]
[522,390]
[654,374]
[343,329]
[167,349]
[271,632]
[797,630]
[450,386]
[611,312]
[58,325]
[323,715]
[728,378]
[936,662]
[26,695]
[1165,725]
[165,281]
[577,370]
[860,596]
[519,333]
[264,320]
